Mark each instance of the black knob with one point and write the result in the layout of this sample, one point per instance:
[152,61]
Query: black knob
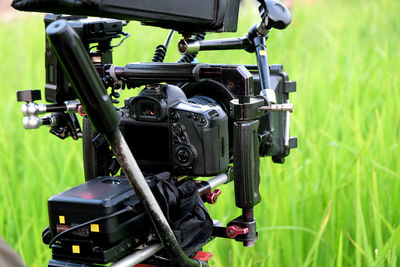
[174,117]
[28,95]
[278,14]
[178,130]
[184,156]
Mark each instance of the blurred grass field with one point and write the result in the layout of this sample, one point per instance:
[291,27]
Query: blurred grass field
[335,202]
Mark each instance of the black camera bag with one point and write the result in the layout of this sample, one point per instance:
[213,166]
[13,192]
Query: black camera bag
[185,211]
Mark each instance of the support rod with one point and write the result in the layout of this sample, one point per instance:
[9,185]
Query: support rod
[138,256]
[191,47]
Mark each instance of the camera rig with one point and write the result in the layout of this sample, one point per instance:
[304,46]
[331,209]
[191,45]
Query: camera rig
[189,120]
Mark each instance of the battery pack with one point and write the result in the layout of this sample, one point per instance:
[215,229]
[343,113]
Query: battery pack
[101,241]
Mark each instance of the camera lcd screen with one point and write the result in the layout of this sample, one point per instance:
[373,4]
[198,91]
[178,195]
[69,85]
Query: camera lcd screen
[148,142]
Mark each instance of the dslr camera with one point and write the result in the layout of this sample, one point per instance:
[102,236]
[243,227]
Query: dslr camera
[151,163]
[190,136]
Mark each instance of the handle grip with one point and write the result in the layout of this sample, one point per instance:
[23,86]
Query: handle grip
[246,164]
[82,75]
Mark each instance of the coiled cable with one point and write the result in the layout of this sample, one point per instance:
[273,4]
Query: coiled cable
[161,50]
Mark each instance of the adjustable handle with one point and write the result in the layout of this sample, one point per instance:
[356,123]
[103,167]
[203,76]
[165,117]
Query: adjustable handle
[234,230]
[212,197]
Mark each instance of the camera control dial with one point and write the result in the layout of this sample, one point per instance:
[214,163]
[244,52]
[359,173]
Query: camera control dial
[174,117]
[184,155]
[179,130]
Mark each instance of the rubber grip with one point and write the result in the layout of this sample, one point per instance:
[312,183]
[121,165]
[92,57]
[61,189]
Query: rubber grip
[246,164]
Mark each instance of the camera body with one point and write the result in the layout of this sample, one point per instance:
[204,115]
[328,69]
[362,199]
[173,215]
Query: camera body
[168,132]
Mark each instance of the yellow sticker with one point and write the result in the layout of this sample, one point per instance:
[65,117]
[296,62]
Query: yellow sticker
[263,53]
[61,219]
[76,249]
[94,228]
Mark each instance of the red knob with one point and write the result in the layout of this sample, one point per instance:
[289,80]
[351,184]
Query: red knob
[81,111]
[212,197]
[234,230]
[203,256]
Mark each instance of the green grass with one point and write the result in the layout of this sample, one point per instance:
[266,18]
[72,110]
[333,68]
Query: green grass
[333,203]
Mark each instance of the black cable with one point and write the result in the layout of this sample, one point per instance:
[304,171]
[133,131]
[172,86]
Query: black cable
[159,54]
[161,50]
[128,208]
[126,35]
